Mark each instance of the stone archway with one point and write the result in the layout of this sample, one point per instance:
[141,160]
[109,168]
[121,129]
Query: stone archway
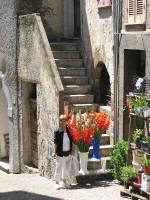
[8,115]
[102,85]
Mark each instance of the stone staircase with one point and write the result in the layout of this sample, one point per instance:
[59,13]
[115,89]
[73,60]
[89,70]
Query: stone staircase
[77,92]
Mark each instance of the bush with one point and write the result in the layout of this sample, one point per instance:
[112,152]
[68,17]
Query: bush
[129,173]
[118,158]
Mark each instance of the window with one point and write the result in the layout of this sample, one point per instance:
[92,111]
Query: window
[136,11]
[104,3]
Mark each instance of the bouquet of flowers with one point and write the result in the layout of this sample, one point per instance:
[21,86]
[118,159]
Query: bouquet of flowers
[83,127]
[137,104]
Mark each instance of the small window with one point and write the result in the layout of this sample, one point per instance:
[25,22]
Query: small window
[104,3]
[136,10]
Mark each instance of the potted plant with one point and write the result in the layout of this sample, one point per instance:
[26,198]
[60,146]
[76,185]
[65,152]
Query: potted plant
[145,145]
[99,123]
[137,157]
[138,135]
[146,164]
[82,137]
[118,158]
[139,104]
[129,173]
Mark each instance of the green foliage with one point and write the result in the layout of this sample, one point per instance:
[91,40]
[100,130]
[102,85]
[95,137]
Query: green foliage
[83,147]
[97,134]
[128,173]
[118,158]
[139,102]
[146,161]
[147,139]
[138,135]
[139,124]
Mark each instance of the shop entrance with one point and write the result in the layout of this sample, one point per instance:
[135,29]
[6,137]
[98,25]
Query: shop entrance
[134,65]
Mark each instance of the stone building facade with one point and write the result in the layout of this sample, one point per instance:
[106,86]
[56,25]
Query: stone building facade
[134,53]
[32,94]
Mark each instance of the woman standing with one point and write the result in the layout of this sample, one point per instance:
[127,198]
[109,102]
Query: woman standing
[63,148]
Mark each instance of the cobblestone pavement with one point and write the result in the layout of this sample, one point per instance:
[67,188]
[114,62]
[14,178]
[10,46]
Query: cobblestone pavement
[35,187]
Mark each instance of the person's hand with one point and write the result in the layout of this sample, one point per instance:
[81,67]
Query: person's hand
[54,155]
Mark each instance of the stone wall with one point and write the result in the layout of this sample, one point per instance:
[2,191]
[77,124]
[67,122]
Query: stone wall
[97,37]
[8,39]
[36,64]
[52,14]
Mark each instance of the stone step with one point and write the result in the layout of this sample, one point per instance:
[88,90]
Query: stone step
[105,150]
[77,89]
[66,54]
[69,62]
[72,71]
[71,39]
[79,98]
[2,173]
[64,46]
[83,107]
[106,109]
[4,166]
[105,139]
[94,164]
[94,175]
[71,80]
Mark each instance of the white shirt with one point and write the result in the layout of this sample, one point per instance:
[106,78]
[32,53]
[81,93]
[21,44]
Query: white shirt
[66,142]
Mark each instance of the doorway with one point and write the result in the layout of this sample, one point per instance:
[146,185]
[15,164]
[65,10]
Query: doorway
[134,65]
[72,19]
[102,85]
[29,124]
[77,22]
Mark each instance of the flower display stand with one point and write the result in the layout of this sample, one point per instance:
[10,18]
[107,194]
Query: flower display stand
[133,188]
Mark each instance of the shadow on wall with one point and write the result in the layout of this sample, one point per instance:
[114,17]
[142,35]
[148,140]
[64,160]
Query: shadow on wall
[86,43]
[2,63]
[102,85]
[21,195]
[105,13]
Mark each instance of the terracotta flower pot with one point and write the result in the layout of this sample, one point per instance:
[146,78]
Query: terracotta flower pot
[147,169]
[140,177]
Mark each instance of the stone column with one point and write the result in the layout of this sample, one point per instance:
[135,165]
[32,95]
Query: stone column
[68,18]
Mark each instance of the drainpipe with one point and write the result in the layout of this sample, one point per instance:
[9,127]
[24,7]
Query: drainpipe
[116,17]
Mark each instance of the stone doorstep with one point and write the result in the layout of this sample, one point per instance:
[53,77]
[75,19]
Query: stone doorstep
[4,166]
[30,170]
[94,164]
[94,175]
